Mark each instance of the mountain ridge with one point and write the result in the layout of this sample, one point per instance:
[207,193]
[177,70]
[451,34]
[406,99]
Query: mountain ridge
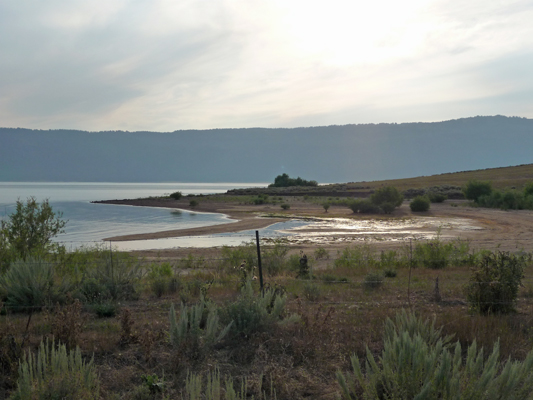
[334,153]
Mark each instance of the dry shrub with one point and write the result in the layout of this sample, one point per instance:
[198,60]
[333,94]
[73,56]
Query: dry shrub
[126,327]
[67,324]
[149,337]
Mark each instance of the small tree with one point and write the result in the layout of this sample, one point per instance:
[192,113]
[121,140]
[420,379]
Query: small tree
[387,194]
[326,206]
[473,190]
[31,227]
[193,203]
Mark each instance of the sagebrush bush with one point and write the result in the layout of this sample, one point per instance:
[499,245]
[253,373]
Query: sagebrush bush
[418,364]
[55,373]
[420,204]
[493,285]
[197,329]
[30,285]
[253,313]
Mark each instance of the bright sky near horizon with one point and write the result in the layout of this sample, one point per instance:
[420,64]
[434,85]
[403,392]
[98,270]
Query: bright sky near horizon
[194,64]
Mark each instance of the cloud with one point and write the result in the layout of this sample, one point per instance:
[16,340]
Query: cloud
[167,65]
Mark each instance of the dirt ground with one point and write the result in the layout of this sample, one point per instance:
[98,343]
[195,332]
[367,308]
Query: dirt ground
[484,228]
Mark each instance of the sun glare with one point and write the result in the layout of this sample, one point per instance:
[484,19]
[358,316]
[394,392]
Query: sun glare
[345,32]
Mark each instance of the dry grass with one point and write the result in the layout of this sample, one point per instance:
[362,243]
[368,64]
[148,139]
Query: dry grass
[501,178]
[299,359]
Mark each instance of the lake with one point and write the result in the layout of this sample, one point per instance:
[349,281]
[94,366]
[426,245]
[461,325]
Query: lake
[89,223]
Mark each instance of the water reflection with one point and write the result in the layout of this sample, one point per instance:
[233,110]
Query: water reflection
[320,231]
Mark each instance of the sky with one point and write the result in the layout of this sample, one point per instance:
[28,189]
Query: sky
[166,65]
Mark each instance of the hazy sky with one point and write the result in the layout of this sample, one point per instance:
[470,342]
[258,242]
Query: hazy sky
[168,65]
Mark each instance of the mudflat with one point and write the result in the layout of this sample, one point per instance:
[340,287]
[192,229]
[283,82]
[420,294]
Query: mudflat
[486,228]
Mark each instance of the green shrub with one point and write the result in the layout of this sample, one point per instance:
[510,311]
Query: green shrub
[117,277]
[285,206]
[387,207]
[233,257]
[193,203]
[390,273]
[493,286]
[330,278]
[160,277]
[105,309]
[364,207]
[253,313]
[30,285]
[356,256]
[274,258]
[56,373]
[326,206]
[373,280]
[418,365]
[387,194]
[435,197]
[176,195]
[419,204]
[528,189]
[474,189]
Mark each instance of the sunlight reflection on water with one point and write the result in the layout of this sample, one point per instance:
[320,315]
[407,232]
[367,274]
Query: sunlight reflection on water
[319,231]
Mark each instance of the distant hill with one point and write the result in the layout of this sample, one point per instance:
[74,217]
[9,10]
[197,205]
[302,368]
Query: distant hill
[347,153]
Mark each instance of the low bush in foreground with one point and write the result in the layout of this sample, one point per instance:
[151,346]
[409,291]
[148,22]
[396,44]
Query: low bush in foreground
[416,363]
[253,313]
[55,373]
[31,285]
[197,329]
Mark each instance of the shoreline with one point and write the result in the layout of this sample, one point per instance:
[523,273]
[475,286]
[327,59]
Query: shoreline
[506,230]
[243,220]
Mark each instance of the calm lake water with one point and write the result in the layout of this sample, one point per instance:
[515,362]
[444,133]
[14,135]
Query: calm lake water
[89,223]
